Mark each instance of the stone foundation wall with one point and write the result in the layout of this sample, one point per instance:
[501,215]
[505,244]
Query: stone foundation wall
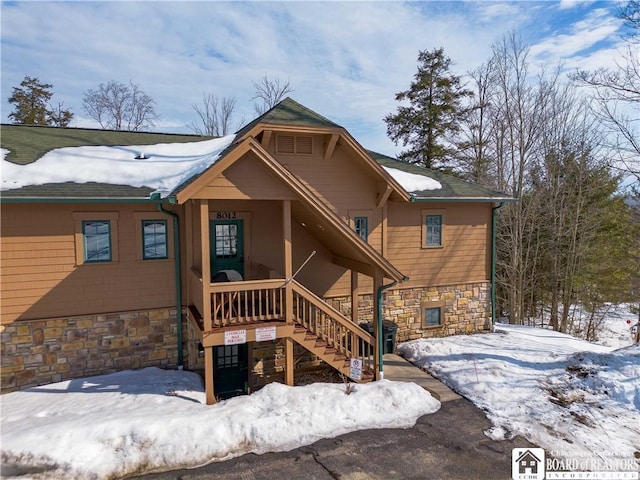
[267,362]
[37,352]
[466,308]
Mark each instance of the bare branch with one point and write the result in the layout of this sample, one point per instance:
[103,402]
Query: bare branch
[215,115]
[118,106]
[268,93]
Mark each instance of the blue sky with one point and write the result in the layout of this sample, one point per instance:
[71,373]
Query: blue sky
[345,60]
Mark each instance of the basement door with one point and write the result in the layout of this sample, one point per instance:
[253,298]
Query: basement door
[230,370]
[227,246]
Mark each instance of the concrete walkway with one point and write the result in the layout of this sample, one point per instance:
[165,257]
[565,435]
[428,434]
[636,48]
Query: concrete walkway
[398,369]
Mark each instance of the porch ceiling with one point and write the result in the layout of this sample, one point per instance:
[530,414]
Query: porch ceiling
[336,242]
[349,249]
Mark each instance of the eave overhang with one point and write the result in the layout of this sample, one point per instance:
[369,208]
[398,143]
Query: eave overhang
[336,134]
[318,218]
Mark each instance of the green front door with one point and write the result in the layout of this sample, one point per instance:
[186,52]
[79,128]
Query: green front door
[230,371]
[227,246]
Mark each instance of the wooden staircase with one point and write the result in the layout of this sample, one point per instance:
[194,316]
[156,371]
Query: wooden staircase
[308,320]
[327,333]
[329,354]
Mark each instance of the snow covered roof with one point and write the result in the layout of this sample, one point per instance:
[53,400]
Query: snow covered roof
[432,185]
[48,162]
[161,168]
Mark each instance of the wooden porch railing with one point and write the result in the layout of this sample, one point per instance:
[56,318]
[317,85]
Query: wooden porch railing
[243,303]
[235,304]
[331,326]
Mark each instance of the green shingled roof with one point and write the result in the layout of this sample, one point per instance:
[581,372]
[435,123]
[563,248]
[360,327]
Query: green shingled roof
[27,143]
[290,112]
[453,188]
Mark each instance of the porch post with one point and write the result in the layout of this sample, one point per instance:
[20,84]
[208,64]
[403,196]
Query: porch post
[205,269]
[354,296]
[188,229]
[354,309]
[288,292]
[377,283]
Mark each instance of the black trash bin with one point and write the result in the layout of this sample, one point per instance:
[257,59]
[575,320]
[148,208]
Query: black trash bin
[389,336]
[389,330]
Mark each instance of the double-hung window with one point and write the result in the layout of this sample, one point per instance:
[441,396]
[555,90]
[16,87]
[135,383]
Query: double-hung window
[361,226]
[154,240]
[96,237]
[153,236]
[432,229]
[97,240]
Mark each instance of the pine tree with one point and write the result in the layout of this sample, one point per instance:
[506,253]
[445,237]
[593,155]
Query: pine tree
[31,103]
[433,114]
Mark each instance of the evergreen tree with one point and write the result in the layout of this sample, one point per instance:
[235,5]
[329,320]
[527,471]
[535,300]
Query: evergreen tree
[31,103]
[430,121]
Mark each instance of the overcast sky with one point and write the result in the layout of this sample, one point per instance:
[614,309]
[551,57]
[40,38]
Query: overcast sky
[345,60]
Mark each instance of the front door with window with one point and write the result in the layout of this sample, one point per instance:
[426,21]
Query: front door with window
[227,246]
[230,370]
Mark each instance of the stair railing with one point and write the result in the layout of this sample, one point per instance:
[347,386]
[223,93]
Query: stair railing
[331,326]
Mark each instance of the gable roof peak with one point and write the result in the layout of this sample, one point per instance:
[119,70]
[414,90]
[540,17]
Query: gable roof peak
[288,112]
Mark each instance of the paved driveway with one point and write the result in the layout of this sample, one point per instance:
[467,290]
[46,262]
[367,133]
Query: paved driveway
[449,444]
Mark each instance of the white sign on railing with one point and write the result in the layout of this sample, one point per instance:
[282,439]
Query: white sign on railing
[264,334]
[235,337]
[355,369]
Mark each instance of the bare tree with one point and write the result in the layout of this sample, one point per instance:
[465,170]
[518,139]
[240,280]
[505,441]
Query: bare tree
[214,115]
[616,94]
[58,115]
[518,123]
[476,153]
[630,14]
[115,105]
[268,93]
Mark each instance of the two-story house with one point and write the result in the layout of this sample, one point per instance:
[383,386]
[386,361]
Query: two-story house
[247,256]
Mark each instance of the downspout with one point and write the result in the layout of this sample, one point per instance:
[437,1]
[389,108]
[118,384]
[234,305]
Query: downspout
[176,255]
[493,263]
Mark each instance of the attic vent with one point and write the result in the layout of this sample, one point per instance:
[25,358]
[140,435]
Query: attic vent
[304,145]
[295,144]
[285,144]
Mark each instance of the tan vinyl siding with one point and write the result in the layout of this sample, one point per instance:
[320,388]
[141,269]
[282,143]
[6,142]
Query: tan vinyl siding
[41,278]
[340,181]
[464,255]
[246,179]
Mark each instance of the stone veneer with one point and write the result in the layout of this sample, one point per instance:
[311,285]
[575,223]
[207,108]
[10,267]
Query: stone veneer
[466,308]
[37,352]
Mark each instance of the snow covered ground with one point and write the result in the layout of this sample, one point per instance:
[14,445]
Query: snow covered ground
[131,422]
[576,399]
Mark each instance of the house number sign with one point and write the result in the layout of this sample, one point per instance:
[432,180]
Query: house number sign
[226,215]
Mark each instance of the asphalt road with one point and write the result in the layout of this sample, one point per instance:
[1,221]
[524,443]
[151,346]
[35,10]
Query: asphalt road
[447,445]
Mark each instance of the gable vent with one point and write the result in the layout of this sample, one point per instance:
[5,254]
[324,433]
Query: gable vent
[294,144]
[304,145]
[285,144]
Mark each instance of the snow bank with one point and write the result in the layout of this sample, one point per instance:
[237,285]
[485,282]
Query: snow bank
[569,396]
[151,419]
